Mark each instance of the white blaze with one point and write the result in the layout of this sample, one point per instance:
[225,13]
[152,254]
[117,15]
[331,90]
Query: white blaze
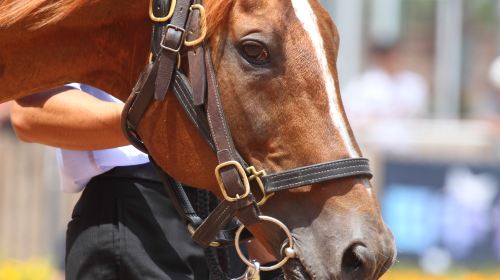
[306,16]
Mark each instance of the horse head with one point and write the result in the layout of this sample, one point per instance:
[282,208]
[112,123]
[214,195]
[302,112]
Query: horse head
[276,69]
[275,64]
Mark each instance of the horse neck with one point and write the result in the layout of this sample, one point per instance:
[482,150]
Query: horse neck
[107,52]
[99,48]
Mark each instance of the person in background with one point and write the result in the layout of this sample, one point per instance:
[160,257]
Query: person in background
[386,90]
[487,109]
[494,74]
[491,108]
[123,226]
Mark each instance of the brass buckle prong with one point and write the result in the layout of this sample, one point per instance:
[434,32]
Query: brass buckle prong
[165,18]
[243,176]
[257,177]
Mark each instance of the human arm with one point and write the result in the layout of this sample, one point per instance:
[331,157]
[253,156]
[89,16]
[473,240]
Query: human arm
[68,118]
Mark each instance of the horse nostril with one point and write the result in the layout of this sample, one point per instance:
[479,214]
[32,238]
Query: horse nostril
[357,262]
[351,261]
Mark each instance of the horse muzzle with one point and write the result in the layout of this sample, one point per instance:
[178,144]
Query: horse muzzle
[365,259]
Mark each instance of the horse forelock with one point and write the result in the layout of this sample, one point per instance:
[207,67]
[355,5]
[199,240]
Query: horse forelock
[217,13]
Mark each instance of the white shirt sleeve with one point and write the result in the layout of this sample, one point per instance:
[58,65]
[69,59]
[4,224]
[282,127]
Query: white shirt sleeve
[76,168]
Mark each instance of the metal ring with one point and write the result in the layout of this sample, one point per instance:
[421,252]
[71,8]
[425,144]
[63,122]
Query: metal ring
[264,268]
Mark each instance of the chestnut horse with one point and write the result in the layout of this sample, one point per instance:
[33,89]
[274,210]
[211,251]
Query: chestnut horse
[276,67]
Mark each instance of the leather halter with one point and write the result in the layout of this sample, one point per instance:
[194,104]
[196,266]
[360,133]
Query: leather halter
[201,101]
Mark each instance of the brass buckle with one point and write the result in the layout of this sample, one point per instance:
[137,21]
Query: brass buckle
[257,176]
[243,176]
[177,48]
[203,26]
[165,18]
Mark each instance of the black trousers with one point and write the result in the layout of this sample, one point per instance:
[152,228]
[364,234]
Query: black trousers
[126,228]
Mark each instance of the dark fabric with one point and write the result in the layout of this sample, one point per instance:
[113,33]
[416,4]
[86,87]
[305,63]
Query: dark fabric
[126,228]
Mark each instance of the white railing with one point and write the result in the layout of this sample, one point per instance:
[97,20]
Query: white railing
[33,212]
[439,139]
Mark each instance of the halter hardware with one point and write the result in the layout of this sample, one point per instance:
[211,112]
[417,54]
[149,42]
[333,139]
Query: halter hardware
[244,180]
[257,177]
[251,273]
[289,250]
[177,47]
[165,18]
[203,26]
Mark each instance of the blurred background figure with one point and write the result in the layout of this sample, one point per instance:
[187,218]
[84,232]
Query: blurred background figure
[386,90]
[4,114]
[491,105]
[494,75]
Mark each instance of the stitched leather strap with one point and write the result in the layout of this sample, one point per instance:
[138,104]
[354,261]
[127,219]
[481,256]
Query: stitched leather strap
[142,94]
[160,9]
[196,114]
[136,105]
[245,208]
[196,59]
[172,41]
[181,202]
[316,173]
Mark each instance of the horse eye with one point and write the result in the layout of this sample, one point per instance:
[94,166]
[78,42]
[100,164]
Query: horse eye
[255,52]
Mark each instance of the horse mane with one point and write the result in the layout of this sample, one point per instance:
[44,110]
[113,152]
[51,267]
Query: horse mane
[217,13]
[51,11]
[44,11]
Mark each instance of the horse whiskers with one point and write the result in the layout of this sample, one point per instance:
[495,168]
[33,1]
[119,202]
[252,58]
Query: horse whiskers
[385,266]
